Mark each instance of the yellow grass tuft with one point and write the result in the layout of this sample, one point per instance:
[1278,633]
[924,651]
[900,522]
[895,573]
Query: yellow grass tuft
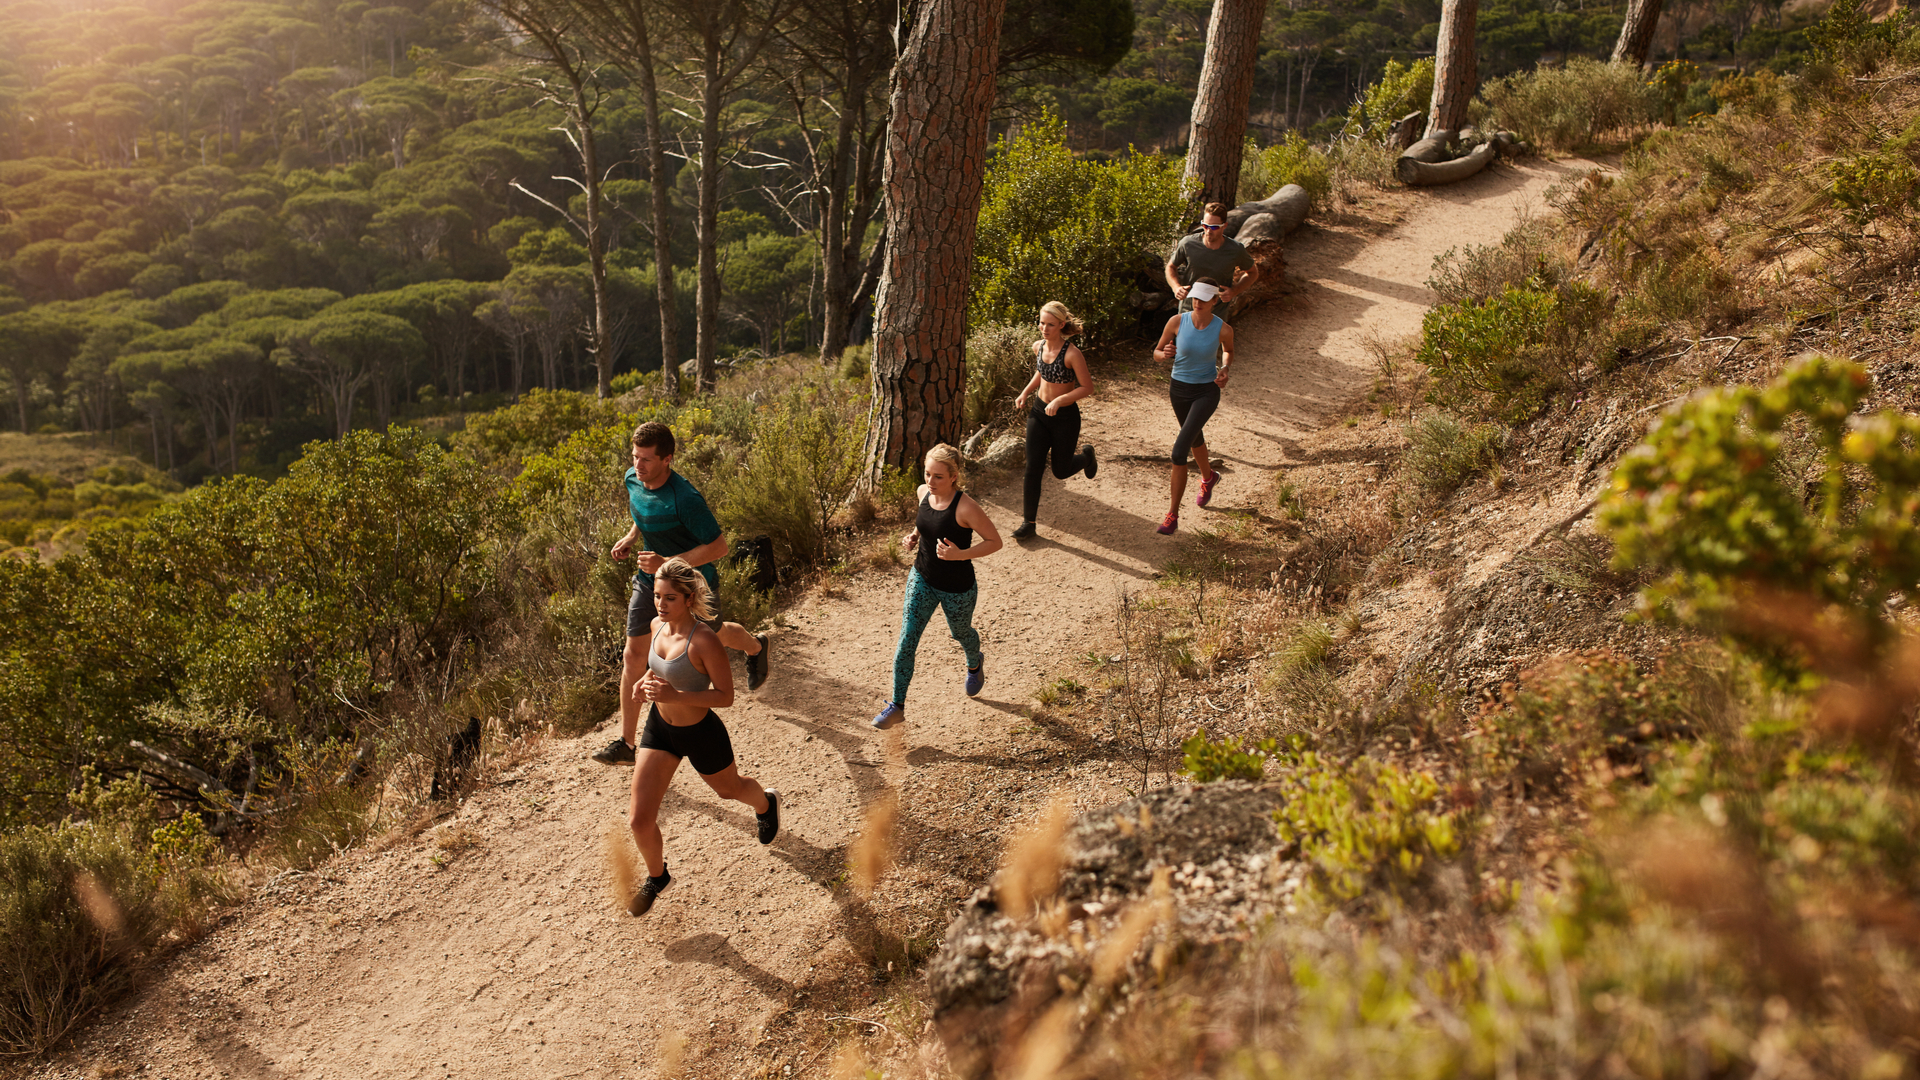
[1119,947]
[849,1062]
[872,854]
[99,904]
[1047,1045]
[1030,873]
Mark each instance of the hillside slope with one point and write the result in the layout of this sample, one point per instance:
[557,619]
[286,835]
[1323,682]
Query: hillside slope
[333,973]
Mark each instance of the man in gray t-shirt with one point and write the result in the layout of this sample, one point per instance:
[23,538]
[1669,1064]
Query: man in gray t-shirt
[1210,254]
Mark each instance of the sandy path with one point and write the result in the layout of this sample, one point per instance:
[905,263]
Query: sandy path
[333,974]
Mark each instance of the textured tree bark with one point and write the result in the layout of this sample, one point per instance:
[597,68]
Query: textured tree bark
[1455,75]
[1636,33]
[1220,106]
[943,92]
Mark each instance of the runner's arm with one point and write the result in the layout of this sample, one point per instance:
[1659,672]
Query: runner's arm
[1164,350]
[1173,275]
[712,551]
[1226,355]
[970,515]
[1243,278]
[1078,362]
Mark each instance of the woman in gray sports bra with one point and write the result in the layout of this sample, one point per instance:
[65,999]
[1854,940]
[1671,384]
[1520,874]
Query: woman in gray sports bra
[687,678]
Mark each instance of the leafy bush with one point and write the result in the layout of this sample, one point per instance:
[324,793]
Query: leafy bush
[1872,186]
[1362,825]
[999,363]
[81,904]
[1505,357]
[805,458]
[1292,160]
[1205,761]
[1528,254]
[1569,107]
[1443,453]
[1402,89]
[1714,495]
[1054,226]
[540,419]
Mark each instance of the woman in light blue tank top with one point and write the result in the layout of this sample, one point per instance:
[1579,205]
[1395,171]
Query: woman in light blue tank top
[1200,344]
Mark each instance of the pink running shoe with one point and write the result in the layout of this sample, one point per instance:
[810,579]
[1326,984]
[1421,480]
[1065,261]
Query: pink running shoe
[1206,489]
[1168,524]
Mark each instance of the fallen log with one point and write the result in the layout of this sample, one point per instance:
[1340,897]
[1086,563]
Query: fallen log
[1287,208]
[1415,172]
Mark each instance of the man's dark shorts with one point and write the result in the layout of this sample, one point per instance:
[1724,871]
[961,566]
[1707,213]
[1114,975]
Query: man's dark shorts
[641,612]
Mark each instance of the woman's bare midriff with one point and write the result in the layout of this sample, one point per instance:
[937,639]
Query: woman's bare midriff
[1051,390]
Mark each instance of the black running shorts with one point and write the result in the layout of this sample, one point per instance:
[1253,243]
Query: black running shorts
[703,742]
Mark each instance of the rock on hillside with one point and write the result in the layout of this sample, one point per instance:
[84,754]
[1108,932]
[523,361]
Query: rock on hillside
[1217,846]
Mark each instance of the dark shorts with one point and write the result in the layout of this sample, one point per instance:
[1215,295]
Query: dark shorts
[704,742]
[641,612]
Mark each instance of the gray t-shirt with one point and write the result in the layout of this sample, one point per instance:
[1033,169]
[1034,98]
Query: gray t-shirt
[1193,260]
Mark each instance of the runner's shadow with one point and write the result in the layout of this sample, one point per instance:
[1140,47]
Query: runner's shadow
[715,950]
[1041,543]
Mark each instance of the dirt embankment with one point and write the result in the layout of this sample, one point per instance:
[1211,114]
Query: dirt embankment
[489,943]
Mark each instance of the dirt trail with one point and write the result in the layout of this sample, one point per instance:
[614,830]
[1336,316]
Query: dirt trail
[333,974]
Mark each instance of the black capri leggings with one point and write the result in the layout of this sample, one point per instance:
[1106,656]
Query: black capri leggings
[1193,405]
[1054,435]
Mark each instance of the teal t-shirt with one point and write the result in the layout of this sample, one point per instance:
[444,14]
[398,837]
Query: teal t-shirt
[673,520]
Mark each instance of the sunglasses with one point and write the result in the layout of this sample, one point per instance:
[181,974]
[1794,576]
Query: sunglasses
[1210,228]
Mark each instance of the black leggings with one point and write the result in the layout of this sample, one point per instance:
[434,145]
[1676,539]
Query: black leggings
[1193,405]
[1056,434]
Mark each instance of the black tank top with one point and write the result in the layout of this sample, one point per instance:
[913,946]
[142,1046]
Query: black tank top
[946,575]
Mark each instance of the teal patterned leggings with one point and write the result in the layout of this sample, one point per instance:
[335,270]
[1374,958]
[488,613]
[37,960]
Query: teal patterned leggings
[914,616]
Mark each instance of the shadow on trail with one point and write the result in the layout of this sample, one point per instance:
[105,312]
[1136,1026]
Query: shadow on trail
[714,949]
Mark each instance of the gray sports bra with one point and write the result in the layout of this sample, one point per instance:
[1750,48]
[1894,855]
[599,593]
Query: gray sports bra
[679,671]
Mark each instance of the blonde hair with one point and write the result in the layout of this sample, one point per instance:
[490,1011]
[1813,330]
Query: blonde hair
[946,454]
[691,583]
[1069,322]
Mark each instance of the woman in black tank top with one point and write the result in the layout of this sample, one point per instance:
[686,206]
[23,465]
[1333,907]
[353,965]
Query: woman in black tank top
[1053,421]
[942,575]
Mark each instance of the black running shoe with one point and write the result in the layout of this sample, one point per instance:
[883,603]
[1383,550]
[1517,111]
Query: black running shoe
[1025,531]
[650,889]
[617,752]
[1093,464]
[757,663]
[769,822]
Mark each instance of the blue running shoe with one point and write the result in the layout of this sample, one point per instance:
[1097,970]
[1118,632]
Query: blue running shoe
[976,678]
[891,716]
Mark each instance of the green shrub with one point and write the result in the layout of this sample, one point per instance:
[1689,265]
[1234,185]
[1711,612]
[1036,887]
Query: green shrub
[1504,358]
[805,458]
[1402,89]
[1292,160]
[1712,497]
[1529,254]
[1205,761]
[1443,453]
[1569,107]
[541,419]
[999,364]
[81,905]
[1053,226]
[1850,35]
[856,362]
[1361,826]
[1872,186]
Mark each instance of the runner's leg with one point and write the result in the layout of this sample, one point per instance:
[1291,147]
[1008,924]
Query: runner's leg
[652,772]
[633,666]
[915,610]
[958,608]
[1065,437]
[1038,442]
[729,784]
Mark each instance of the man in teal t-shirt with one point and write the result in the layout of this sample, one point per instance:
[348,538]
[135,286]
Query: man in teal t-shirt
[670,517]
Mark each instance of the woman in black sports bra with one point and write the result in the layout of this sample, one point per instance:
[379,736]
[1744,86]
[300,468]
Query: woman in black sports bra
[687,678]
[1060,380]
[942,576]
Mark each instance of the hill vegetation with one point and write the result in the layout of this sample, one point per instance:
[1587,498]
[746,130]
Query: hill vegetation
[256,235]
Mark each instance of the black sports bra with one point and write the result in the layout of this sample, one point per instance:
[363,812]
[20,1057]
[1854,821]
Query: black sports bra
[1055,370]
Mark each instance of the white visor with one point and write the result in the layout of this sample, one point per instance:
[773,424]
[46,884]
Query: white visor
[1203,291]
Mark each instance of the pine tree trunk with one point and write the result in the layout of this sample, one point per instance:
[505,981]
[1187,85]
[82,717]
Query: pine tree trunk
[1220,106]
[1636,33]
[706,297]
[1455,75]
[943,93]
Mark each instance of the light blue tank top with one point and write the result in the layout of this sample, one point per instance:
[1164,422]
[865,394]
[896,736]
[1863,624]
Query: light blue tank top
[1197,352]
